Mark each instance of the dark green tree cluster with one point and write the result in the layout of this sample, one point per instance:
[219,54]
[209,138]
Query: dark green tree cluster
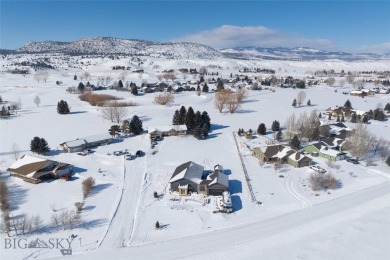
[348,104]
[197,123]
[387,107]
[81,88]
[205,88]
[378,114]
[262,130]
[4,112]
[241,131]
[300,84]
[62,107]
[39,145]
[133,126]
[388,161]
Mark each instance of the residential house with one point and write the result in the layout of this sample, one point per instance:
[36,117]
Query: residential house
[272,153]
[338,111]
[81,144]
[299,160]
[191,177]
[171,130]
[34,169]
[322,149]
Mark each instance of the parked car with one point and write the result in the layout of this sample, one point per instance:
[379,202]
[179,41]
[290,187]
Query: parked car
[352,160]
[138,153]
[317,168]
[129,156]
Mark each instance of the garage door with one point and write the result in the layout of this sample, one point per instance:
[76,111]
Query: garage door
[77,149]
[216,192]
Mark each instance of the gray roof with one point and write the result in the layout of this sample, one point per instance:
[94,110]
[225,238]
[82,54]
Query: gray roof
[189,170]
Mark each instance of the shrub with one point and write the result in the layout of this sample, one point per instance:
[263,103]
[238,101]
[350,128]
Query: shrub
[79,206]
[97,99]
[164,99]
[320,181]
[87,186]
[388,161]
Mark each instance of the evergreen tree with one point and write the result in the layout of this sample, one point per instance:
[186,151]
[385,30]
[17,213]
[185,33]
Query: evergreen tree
[365,119]
[387,107]
[348,104]
[157,225]
[75,77]
[114,130]
[198,119]
[198,88]
[205,88]
[39,145]
[330,116]
[62,107]
[275,126]
[261,130]
[126,127]
[182,115]
[201,79]
[342,118]
[309,102]
[338,118]
[134,90]
[205,130]
[120,84]
[388,161]
[197,132]
[220,84]
[189,121]
[81,87]
[320,115]
[279,135]
[295,143]
[176,118]
[353,118]
[206,120]
[136,125]
[294,103]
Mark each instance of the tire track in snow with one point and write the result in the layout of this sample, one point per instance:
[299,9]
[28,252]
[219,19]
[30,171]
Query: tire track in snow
[289,186]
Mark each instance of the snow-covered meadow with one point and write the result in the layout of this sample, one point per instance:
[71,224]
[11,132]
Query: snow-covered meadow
[121,211]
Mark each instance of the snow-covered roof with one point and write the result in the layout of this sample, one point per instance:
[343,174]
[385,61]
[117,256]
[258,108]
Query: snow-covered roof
[329,151]
[359,112]
[97,138]
[26,159]
[75,143]
[220,178]
[167,128]
[190,171]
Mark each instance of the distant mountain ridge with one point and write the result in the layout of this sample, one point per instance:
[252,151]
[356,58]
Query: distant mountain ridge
[300,53]
[184,50]
[111,45]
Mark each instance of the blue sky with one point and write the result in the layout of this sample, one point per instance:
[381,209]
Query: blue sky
[332,25]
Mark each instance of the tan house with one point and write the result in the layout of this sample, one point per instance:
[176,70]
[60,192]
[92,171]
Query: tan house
[299,160]
[281,154]
[34,169]
[81,144]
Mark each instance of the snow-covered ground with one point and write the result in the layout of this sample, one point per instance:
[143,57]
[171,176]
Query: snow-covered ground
[291,221]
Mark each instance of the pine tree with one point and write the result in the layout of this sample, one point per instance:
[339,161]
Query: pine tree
[182,115]
[342,118]
[190,116]
[388,161]
[295,143]
[353,118]
[176,118]
[75,77]
[220,84]
[261,130]
[205,88]
[338,118]
[81,87]
[39,145]
[309,102]
[126,127]
[205,130]
[275,126]
[206,120]
[62,107]
[320,115]
[387,107]
[157,225]
[294,104]
[330,117]
[197,132]
[136,125]
[120,84]
[198,119]
[348,104]
[279,135]
[365,119]
[134,90]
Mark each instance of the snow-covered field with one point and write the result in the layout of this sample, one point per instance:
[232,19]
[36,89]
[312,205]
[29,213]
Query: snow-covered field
[291,222]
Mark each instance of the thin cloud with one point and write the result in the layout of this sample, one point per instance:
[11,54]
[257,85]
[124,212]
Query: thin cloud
[230,36]
[377,48]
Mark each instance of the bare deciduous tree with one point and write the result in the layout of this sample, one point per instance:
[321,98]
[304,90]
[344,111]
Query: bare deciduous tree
[15,151]
[290,126]
[301,97]
[86,75]
[241,94]
[221,98]
[37,100]
[164,99]
[232,103]
[330,81]
[350,78]
[114,111]
[360,141]
[123,75]
[88,186]
[342,83]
